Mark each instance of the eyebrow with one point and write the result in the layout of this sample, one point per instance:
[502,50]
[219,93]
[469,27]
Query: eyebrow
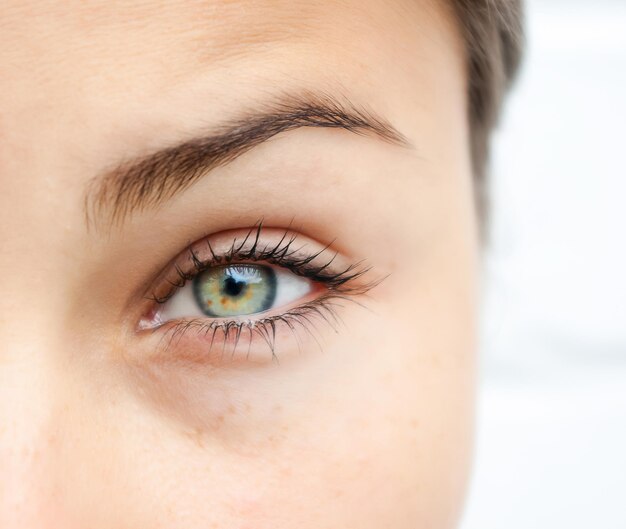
[150,180]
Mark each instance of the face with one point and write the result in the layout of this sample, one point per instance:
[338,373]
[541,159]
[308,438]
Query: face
[237,267]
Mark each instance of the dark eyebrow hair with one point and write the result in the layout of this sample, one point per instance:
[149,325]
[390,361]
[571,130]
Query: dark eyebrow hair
[152,179]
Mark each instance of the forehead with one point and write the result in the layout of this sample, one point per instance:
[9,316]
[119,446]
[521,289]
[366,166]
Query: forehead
[118,71]
[171,40]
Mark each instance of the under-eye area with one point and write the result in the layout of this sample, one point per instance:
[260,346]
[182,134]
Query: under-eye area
[249,294]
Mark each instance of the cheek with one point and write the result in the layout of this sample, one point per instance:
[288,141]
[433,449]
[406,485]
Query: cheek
[385,446]
[371,433]
[385,441]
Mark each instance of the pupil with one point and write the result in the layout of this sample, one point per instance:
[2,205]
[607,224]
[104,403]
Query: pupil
[232,287]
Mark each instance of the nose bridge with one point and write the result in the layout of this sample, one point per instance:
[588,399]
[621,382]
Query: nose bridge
[30,424]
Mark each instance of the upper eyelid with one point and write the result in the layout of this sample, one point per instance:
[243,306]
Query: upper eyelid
[284,253]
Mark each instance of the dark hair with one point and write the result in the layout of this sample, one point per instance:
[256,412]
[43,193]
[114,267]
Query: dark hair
[493,32]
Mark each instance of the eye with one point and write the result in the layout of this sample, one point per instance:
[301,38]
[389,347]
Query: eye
[266,287]
[236,290]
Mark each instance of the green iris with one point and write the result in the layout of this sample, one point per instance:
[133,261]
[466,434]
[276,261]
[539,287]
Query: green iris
[235,290]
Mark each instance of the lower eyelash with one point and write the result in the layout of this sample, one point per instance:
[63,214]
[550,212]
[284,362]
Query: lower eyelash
[226,336]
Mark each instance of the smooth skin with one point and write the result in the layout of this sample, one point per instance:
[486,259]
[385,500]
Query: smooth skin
[370,430]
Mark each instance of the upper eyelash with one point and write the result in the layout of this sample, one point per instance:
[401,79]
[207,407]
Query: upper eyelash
[281,254]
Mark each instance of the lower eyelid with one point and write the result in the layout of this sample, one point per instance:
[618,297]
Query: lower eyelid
[246,341]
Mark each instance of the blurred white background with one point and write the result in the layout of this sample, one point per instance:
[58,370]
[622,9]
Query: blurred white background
[551,446]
